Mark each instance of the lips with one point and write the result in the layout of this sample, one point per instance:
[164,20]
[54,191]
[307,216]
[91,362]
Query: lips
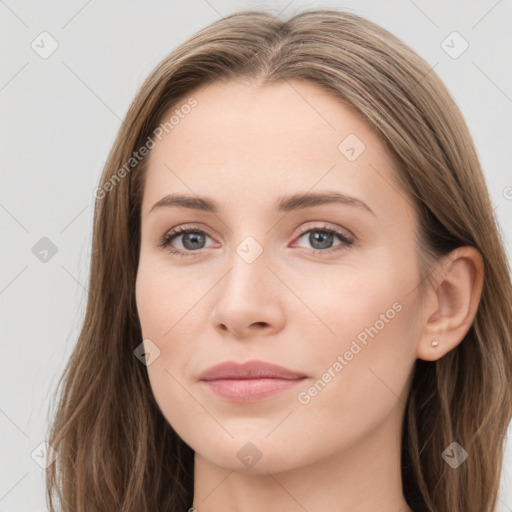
[249,370]
[249,382]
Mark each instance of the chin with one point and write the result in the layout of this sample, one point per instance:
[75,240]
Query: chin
[260,456]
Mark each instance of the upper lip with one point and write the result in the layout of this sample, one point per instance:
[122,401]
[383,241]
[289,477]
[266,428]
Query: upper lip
[249,370]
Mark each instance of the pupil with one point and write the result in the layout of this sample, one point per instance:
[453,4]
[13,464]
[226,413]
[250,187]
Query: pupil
[191,240]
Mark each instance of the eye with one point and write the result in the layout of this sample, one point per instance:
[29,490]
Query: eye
[192,240]
[322,237]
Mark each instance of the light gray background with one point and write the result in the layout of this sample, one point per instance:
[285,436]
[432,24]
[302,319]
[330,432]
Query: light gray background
[59,119]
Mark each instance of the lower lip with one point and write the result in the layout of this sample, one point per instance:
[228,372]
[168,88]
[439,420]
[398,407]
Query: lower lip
[249,390]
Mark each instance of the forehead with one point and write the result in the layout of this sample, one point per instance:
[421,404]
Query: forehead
[269,140]
[281,115]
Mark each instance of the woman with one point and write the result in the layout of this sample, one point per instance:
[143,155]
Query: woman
[299,298]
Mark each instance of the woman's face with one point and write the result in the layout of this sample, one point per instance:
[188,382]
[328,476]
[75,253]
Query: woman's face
[326,289]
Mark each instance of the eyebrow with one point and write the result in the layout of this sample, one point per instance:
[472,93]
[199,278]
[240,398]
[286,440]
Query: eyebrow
[282,204]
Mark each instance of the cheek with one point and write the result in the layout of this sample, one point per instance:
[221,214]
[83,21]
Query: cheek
[361,378]
[164,295]
[166,310]
[165,306]
[349,302]
[367,346]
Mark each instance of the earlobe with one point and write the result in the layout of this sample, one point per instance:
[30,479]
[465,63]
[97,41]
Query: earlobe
[455,303]
[432,352]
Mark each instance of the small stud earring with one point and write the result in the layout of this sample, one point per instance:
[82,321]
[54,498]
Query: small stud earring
[434,343]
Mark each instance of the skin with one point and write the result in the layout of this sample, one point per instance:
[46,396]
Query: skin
[243,146]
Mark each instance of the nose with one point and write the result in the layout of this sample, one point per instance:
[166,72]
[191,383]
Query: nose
[249,299]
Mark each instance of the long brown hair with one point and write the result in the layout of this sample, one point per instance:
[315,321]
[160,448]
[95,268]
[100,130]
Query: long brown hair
[115,449]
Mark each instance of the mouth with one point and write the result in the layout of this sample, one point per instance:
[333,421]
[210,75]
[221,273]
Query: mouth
[249,390]
[249,382]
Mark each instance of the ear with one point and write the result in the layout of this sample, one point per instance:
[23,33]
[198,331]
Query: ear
[452,305]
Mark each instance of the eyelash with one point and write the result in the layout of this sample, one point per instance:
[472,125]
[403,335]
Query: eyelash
[171,235]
